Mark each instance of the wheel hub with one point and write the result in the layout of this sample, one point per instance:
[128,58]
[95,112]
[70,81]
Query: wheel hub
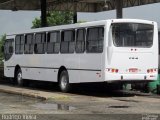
[19,78]
[63,82]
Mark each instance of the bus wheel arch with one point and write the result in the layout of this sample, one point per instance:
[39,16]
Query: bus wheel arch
[16,69]
[63,79]
[18,76]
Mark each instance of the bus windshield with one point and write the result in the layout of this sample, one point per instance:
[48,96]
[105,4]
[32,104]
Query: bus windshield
[132,35]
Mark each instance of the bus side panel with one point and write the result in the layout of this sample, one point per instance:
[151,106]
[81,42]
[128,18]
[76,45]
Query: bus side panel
[74,76]
[94,63]
[71,64]
[39,67]
[8,71]
[91,67]
[40,74]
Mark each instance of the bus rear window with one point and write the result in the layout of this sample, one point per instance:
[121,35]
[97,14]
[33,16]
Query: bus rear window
[132,35]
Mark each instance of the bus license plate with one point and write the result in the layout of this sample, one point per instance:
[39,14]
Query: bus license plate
[133,70]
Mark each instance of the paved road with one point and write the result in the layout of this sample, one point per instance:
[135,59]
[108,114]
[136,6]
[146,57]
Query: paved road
[86,103]
[82,107]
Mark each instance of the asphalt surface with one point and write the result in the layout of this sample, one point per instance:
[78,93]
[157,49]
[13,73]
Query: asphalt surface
[89,102]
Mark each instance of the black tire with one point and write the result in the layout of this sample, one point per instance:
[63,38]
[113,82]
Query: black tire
[64,84]
[18,78]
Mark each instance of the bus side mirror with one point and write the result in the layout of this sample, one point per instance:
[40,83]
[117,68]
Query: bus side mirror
[2,49]
[10,49]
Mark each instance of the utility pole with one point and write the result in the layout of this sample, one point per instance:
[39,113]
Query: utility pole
[119,8]
[75,12]
[43,13]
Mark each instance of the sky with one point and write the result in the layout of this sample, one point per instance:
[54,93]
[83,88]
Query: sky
[22,20]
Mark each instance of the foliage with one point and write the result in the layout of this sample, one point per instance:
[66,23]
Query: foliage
[36,23]
[2,39]
[81,21]
[55,18]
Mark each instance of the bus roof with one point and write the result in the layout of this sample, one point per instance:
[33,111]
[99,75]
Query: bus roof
[85,24]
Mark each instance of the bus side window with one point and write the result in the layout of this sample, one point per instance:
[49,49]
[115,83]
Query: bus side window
[53,42]
[95,38]
[28,47]
[80,41]
[40,42]
[68,41]
[19,44]
[8,49]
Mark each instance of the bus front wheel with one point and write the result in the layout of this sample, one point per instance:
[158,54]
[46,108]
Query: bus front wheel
[64,81]
[18,78]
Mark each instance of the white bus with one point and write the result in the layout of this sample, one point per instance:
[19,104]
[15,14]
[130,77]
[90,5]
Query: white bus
[116,50]
[159,50]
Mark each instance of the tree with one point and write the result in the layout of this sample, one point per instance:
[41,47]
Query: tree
[55,18]
[2,39]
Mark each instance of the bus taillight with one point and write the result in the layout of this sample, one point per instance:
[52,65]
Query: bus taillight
[153,70]
[112,70]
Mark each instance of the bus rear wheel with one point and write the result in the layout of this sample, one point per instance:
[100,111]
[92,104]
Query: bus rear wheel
[18,78]
[64,81]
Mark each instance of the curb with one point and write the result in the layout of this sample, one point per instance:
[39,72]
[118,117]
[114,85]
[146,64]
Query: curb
[33,93]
